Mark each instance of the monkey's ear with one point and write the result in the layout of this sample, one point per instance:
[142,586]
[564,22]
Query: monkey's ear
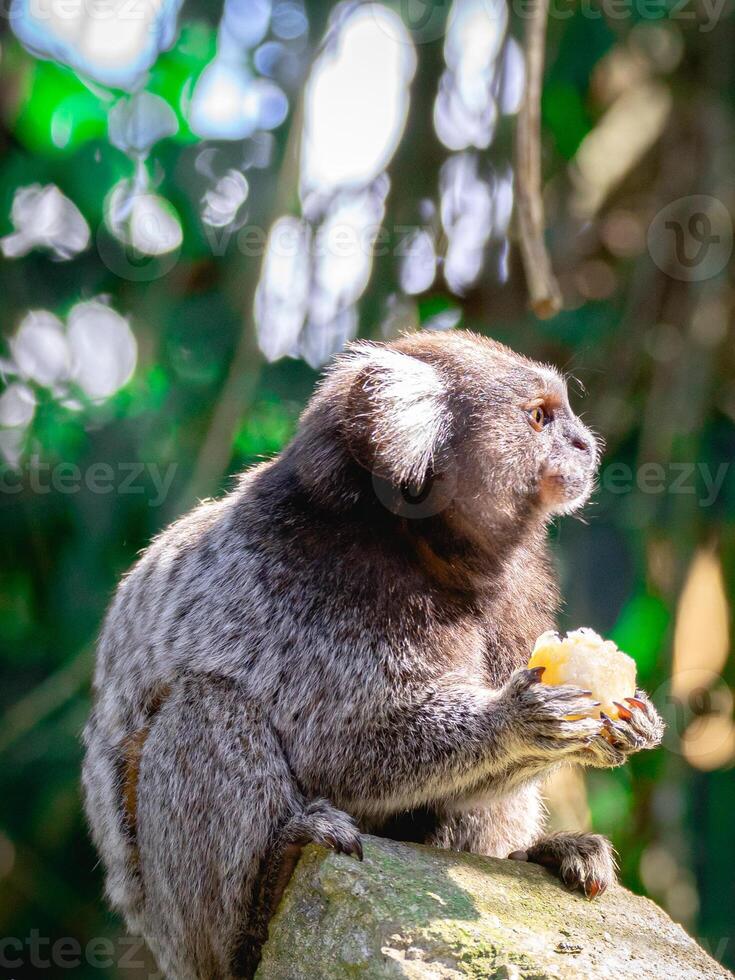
[397,421]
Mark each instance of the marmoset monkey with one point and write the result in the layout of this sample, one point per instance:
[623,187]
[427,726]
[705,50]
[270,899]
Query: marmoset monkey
[338,646]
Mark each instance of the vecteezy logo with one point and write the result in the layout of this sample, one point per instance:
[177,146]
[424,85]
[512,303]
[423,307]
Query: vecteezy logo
[699,229]
[417,502]
[696,705]
[691,238]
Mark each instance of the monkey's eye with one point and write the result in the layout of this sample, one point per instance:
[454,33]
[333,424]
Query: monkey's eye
[538,417]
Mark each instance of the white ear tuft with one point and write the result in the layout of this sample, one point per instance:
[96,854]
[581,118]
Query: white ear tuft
[408,419]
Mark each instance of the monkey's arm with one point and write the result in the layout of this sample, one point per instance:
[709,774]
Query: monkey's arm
[443,742]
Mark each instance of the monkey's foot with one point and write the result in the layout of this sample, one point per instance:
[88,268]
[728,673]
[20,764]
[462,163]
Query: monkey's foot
[584,862]
[322,823]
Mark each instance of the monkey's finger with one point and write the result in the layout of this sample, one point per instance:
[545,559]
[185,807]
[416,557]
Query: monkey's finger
[570,705]
[637,703]
[605,753]
[531,675]
[645,722]
[351,846]
[578,710]
[565,693]
[625,713]
[641,695]
[565,743]
[593,888]
[568,690]
[580,729]
[648,709]
[622,735]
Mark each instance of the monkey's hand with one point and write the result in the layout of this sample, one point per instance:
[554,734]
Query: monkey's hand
[638,726]
[549,722]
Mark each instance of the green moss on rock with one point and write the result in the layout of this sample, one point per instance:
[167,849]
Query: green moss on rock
[425,914]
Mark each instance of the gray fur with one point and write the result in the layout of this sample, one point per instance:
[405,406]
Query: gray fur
[308,657]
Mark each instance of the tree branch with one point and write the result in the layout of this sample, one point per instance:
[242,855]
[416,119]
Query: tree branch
[543,288]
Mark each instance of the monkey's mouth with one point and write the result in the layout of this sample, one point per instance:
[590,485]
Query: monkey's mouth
[563,491]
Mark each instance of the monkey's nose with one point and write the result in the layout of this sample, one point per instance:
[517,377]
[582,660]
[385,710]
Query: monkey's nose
[579,442]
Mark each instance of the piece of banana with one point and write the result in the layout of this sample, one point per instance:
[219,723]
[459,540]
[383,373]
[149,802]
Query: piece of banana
[584,659]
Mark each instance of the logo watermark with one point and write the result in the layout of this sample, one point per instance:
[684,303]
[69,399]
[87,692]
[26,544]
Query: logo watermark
[142,479]
[702,480]
[67,953]
[691,238]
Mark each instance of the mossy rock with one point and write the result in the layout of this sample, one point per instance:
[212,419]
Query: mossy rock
[425,914]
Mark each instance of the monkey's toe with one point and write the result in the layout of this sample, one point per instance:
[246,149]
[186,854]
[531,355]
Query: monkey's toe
[347,845]
[584,862]
[322,823]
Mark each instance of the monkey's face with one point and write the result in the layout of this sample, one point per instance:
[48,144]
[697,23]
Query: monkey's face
[526,446]
[563,450]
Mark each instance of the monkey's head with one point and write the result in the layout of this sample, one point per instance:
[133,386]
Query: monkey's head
[453,421]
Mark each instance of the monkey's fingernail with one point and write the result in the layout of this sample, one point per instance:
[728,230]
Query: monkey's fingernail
[623,712]
[358,850]
[518,856]
[592,888]
[536,673]
[637,703]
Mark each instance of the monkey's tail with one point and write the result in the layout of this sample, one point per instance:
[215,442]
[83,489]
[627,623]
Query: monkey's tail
[103,781]
[317,822]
